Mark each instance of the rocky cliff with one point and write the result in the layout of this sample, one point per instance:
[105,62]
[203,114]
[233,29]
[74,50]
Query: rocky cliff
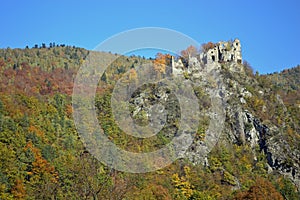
[245,108]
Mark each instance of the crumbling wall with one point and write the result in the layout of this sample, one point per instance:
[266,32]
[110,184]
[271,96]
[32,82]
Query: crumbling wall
[230,51]
[223,52]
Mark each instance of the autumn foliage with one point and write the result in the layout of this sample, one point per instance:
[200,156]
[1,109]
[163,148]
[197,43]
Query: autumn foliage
[261,190]
[18,190]
[40,166]
[43,157]
[205,47]
[190,51]
[161,61]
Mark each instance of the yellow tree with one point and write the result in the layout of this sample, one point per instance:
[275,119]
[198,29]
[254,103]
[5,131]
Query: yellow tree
[161,61]
[132,75]
[184,189]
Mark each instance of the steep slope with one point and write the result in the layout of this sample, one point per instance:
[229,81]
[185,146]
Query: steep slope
[258,116]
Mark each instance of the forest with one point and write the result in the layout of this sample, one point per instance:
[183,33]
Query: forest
[43,157]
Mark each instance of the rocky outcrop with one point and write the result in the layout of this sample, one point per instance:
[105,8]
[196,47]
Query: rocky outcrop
[243,127]
[280,156]
[214,71]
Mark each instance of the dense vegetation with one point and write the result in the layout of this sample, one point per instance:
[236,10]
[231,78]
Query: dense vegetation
[287,85]
[42,156]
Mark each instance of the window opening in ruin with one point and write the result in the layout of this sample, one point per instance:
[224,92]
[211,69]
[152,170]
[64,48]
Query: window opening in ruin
[213,58]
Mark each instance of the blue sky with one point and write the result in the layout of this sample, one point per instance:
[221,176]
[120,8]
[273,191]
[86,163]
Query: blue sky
[269,30]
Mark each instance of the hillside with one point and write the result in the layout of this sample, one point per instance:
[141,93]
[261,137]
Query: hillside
[43,157]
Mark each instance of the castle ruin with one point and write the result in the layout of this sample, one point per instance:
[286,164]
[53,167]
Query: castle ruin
[221,52]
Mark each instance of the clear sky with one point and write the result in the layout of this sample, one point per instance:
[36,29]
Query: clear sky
[269,30]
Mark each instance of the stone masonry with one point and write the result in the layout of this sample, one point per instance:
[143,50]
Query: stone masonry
[221,52]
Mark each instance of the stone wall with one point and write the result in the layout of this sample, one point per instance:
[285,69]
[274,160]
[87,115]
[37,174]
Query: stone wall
[222,52]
